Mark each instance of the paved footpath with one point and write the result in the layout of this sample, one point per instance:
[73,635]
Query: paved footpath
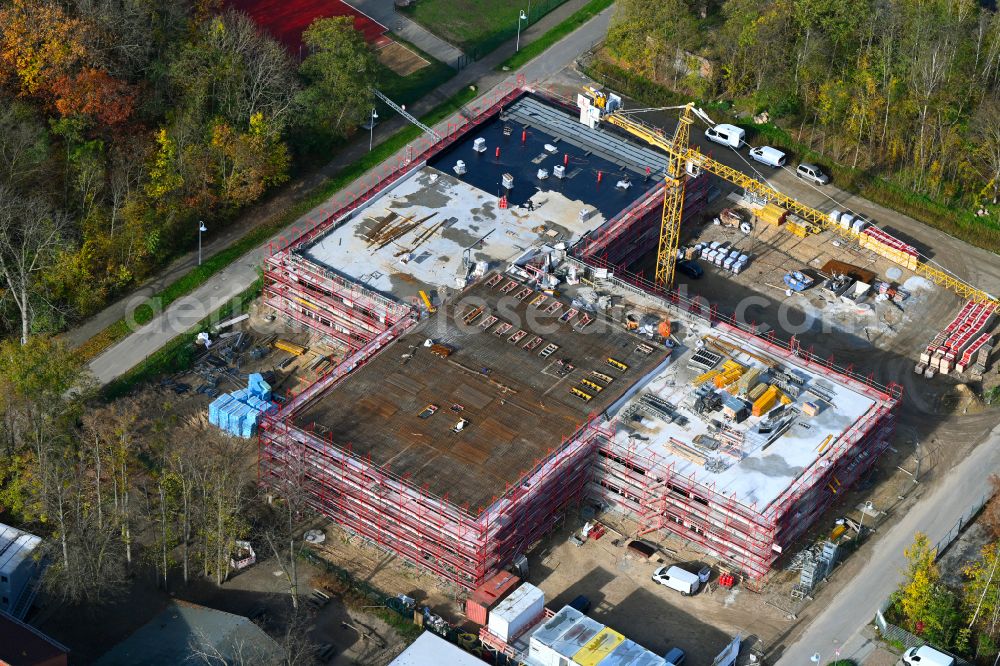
[837,632]
[186,312]
[384,11]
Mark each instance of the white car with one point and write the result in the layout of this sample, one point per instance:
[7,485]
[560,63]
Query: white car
[769,156]
[812,173]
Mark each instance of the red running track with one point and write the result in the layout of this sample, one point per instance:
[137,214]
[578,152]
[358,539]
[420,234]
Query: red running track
[286,20]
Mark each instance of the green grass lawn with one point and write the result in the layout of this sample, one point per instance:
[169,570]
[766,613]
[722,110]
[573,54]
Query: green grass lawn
[540,45]
[408,89]
[476,26]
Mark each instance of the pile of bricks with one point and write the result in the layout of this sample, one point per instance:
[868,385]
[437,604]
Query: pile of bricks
[953,347]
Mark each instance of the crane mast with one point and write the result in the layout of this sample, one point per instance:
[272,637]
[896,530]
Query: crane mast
[683,160]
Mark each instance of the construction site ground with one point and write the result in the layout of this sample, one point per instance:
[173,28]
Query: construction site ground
[939,425]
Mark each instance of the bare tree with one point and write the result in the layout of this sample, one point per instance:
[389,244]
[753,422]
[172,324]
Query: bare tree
[986,134]
[289,510]
[31,233]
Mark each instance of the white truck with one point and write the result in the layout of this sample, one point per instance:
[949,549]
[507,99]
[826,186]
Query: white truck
[925,655]
[675,578]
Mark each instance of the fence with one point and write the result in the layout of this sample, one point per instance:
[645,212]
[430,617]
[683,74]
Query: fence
[899,636]
[966,518]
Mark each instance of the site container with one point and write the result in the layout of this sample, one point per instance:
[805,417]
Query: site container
[598,647]
[560,650]
[488,595]
[630,653]
[517,612]
[540,645]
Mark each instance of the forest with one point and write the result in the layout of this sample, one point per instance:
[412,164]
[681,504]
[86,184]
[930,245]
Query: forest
[904,90]
[124,123]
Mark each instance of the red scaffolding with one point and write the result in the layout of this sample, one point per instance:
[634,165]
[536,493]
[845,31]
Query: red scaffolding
[460,544]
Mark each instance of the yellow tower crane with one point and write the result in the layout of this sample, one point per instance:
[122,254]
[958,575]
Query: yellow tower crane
[683,160]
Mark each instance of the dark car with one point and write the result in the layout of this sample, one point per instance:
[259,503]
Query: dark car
[690,268]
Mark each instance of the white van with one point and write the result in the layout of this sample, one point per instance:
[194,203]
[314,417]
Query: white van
[727,135]
[678,579]
[769,156]
[927,656]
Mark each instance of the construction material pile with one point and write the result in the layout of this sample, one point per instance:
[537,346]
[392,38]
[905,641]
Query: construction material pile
[239,413]
[954,347]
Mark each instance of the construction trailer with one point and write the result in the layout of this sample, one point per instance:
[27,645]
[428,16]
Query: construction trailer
[459,463]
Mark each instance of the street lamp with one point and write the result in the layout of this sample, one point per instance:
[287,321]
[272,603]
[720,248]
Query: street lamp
[520,17]
[371,129]
[201,229]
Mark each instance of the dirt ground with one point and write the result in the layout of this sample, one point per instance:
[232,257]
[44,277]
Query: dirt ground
[400,59]
[624,596]
[259,589]
[389,573]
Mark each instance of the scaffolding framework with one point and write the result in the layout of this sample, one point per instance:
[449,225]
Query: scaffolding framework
[466,544]
[459,543]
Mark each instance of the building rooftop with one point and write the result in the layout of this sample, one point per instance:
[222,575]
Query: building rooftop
[24,645]
[414,235]
[15,546]
[511,378]
[757,459]
[431,650]
[183,629]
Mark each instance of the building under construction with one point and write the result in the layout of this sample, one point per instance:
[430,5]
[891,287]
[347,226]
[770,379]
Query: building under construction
[475,403]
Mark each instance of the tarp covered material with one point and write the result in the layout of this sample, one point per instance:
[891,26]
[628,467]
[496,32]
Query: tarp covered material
[239,413]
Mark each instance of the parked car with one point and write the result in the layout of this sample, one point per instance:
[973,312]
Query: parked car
[675,657]
[812,173]
[675,578]
[727,135]
[769,156]
[690,268]
[927,656]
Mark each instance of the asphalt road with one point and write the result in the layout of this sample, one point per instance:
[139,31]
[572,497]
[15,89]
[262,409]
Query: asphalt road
[838,626]
[184,313]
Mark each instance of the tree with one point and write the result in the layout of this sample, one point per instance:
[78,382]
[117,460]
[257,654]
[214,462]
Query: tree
[95,94]
[922,579]
[233,70]
[931,610]
[986,135]
[31,233]
[982,591]
[39,42]
[249,162]
[339,72]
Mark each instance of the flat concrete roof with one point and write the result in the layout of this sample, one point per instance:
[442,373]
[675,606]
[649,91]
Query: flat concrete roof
[414,235]
[761,467]
[446,216]
[518,403]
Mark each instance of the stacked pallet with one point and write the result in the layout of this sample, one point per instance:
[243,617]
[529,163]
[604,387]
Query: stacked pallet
[772,214]
[979,344]
[890,247]
[731,371]
[959,340]
[765,402]
[748,381]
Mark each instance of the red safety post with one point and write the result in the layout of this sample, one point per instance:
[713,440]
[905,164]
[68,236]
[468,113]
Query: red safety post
[599,176]
[565,159]
[498,152]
